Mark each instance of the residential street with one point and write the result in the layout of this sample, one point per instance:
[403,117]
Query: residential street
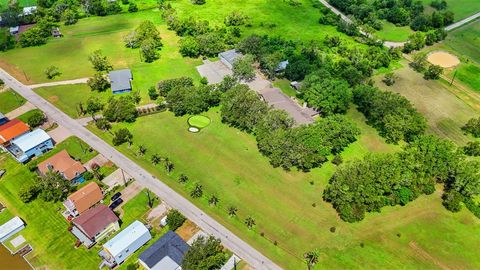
[208,224]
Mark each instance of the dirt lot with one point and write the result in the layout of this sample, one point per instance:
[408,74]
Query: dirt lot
[445,112]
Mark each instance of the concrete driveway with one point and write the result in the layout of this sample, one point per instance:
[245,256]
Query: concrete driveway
[115,178]
[60,134]
[213,71]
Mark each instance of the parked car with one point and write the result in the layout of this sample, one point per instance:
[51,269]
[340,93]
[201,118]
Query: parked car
[116,203]
[116,196]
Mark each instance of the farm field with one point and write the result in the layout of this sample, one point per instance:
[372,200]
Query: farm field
[445,112]
[227,163]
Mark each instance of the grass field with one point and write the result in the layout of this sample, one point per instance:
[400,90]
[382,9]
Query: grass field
[9,101]
[199,121]
[461,8]
[24,117]
[445,112]
[390,32]
[77,149]
[227,163]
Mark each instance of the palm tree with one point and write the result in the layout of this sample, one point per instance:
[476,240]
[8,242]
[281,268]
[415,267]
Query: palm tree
[232,211]
[311,258]
[169,166]
[197,192]
[142,150]
[250,222]
[183,178]
[213,200]
[156,158]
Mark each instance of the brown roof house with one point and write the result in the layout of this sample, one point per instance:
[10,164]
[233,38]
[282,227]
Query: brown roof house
[62,163]
[83,199]
[95,224]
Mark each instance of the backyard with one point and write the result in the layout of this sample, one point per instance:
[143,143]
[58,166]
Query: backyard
[9,101]
[227,163]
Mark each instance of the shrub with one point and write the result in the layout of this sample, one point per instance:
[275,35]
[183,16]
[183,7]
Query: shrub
[175,219]
[389,79]
[122,136]
[87,176]
[452,200]
[52,72]
[36,119]
[29,193]
[472,127]
[132,7]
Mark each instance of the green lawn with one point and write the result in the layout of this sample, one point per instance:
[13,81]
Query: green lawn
[461,8]
[68,97]
[9,101]
[227,163]
[24,117]
[136,208]
[75,147]
[390,32]
[23,3]
[199,121]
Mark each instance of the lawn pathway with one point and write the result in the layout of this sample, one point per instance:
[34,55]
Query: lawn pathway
[76,81]
[20,110]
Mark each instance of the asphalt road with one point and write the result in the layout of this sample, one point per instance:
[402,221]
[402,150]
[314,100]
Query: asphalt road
[208,224]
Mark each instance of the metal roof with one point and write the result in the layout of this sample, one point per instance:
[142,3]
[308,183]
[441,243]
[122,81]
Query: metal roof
[31,139]
[10,226]
[120,79]
[126,237]
[230,56]
[166,251]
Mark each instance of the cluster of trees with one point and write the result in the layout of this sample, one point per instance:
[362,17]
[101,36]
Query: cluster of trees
[121,109]
[38,34]
[102,66]
[52,187]
[199,38]
[430,71]
[147,38]
[390,113]
[419,40]
[395,179]
[398,12]
[472,127]
[303,147]
[205,253]
[192,99]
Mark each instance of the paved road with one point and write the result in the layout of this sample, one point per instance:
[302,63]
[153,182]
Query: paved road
[462,22]
[76,81]
[208,224]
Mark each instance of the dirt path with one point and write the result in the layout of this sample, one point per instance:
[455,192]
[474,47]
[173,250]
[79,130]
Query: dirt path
[76,81]
[426,256]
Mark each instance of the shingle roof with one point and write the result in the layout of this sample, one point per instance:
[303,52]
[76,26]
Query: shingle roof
[86,197]
[120,79]
[170,245]
[95,220]
[62,163]
[30,140]
[12,129]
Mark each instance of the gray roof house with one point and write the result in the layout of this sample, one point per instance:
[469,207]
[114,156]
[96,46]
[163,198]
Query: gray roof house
[121,81]
[229,57]
[165,254]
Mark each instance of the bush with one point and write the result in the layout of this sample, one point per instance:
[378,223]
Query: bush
[132,7]
[472,127]
[87,176]
[122,136]
[389,79]
[337,160]
[433,72]
[198,2]
[153,93]
[29,193]
[472,149]
[452,200]
[52,72]
[36,119]
[175,219]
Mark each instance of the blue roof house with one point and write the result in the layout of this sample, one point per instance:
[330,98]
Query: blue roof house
[3,119]
[165,254]
[124,244]
[31,144]
[121,81]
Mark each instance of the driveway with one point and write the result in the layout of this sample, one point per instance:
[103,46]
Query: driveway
[213,71]
[76,81]
[115,178]
[60,134]
[20,110]
[99,159]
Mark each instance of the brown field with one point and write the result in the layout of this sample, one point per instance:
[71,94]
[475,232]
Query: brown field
[443,59]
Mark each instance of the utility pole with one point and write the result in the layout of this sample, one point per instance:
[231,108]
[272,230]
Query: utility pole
[150,204]
[454,75]
[123,175]
[81,146]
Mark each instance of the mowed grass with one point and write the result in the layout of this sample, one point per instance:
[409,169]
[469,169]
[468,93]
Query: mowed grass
[24,117]
[227,163]
[390,32]
[77,149]
[9,101]
[444,111]
[461,8]
[270,17]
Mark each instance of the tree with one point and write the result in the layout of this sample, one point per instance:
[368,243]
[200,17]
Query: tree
[472,127]
[120,110]
[103,124]
[52,72]
[204,254]
[419,62]
[327,95]
[197,191]
[232,211]
[100,62]
[189,47]
[98,82]
[142,150]
[7,41]
[28,193]
[175,219]
[94,105]
[472,149]
[69,17]
[311,258]
[165,86]
[122,136]
[132,7]
[192,100]
[32,37]
[182,179]
[54,187]
[389,79]
[169,166]
[466,179]
[243,68]
[153,93]
[149,50]
[146,30]
[213,200]
[250,222]
[156,159]
[211,43]
[433,72]
[36,119]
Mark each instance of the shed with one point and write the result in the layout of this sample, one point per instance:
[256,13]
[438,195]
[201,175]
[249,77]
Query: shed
[126,242]
[229,57]
[165,254]
[121,81]
[10,228]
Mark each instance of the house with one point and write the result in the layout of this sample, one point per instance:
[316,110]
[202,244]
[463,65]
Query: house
[10,228]
[29,10]
[84,198]
[121,81]
[229,57]
[165,254]
[124,244]
[32,144]
[3,119]
[62,163]
[11,130]
[14,30]
[95,224]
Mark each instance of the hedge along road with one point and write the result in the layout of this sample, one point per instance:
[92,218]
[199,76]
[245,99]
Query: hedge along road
[208,224]
[392,44]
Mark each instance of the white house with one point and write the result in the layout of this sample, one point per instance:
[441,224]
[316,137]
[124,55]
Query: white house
[10,228]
